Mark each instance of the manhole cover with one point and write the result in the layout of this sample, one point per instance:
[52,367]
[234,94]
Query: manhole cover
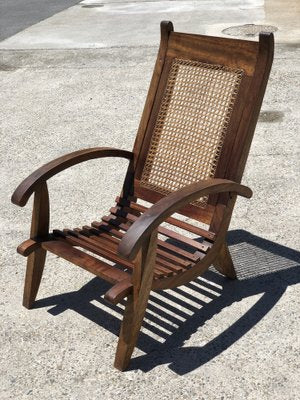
[248,30]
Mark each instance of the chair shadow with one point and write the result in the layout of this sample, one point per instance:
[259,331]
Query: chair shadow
[263,267]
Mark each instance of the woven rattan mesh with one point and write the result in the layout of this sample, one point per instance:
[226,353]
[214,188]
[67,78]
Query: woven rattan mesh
[191,125]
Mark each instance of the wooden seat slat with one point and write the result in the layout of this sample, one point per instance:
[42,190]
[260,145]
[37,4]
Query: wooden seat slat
[98,246]
[194,257]
[171,220]
[85,261]
[98,249]
[164,266]
[164,231]
[171,257]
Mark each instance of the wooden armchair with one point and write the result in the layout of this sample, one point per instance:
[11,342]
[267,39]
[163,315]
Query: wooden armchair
[188,158]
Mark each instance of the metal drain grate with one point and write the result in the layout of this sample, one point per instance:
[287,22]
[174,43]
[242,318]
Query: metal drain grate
[248,30]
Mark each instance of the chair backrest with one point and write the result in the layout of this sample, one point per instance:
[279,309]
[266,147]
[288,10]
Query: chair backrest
[200,114]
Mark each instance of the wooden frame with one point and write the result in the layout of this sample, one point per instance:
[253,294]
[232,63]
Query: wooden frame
[129,235]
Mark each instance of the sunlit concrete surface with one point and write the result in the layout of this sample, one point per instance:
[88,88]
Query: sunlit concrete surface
[79,79]
[113,23]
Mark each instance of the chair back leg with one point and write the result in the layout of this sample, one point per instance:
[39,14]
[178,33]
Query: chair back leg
[224,263]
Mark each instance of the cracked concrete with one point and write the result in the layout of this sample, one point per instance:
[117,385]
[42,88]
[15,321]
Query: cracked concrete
[79,79]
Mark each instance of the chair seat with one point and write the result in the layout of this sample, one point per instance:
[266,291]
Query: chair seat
[176,253]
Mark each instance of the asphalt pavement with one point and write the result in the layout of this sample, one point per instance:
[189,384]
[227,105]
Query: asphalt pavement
[17,15]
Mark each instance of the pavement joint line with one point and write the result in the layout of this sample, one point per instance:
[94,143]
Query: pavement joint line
[81,48]
[15,68]
[123,2]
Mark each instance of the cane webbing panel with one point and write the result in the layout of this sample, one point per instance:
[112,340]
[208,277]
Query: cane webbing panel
[191,125]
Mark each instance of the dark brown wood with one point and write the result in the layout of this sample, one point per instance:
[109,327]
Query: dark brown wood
[28,186]
[170,266]
[166,264]
[36,259]
[97,249]
[234,53]
[182,262]
[152,120]
[164,245]
[224,264]
[85,261]
[136,306]
[199,214]
[210,258]
[152,218]
[29,246]
[173,221]
[165,28]
[119,291]
[128,236]
[163,231]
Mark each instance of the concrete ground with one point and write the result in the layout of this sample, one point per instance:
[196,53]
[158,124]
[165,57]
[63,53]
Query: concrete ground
[79,79]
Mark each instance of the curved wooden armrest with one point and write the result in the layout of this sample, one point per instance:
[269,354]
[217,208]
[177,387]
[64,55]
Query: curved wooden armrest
[28,186]
[155,215]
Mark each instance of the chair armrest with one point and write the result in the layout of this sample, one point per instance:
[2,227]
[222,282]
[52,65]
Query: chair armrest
[28,186]
[155,215]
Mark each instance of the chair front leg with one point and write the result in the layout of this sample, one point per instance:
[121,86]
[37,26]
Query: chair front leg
[136,305]
[36,260]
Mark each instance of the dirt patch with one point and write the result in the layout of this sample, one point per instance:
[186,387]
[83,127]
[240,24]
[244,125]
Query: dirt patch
[271,116]
[7,67]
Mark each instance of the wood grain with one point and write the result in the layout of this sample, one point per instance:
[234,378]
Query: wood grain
[28,186]
[155,215]
[36,259]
